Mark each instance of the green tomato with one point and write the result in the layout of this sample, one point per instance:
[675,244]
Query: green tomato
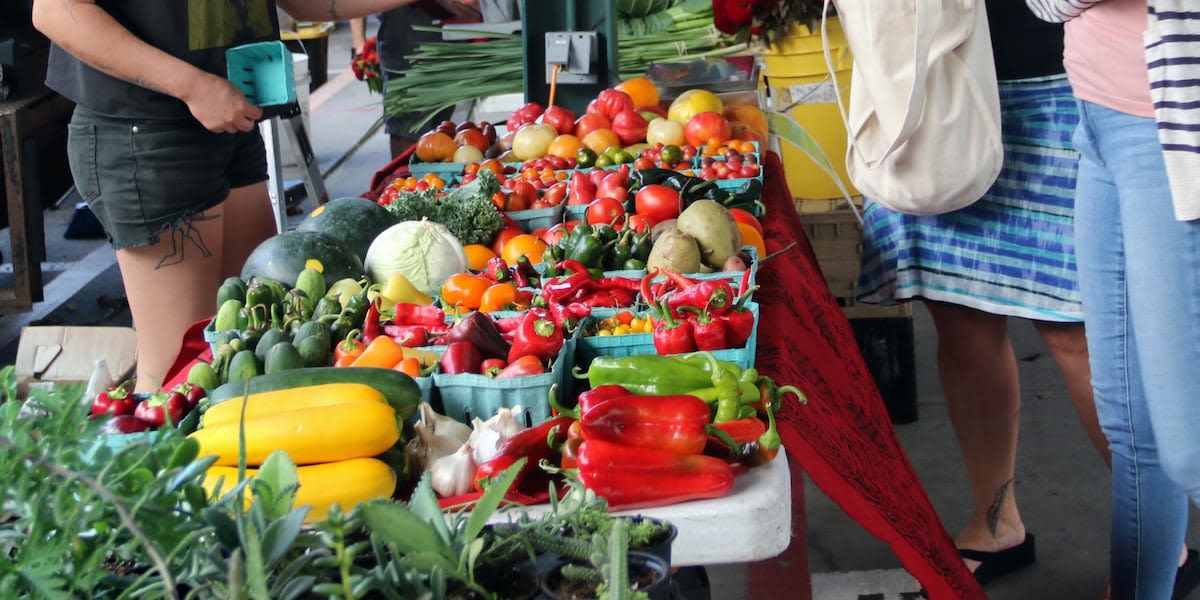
[612,152]
[670,154]
[585,157]
[621,156]
[603,160]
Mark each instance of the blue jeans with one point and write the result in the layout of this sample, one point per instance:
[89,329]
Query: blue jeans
[1139,275]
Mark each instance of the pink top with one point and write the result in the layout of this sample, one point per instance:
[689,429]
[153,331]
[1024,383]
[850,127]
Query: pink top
[1105,57]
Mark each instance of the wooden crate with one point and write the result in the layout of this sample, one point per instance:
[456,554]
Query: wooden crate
[836,238]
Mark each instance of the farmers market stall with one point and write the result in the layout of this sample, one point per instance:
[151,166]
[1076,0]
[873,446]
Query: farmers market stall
[842,439]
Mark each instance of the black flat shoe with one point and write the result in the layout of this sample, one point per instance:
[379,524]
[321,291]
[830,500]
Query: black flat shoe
[1187,577]
[1003,562]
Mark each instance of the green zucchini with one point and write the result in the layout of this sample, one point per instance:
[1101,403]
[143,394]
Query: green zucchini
[283,356]
[399,389]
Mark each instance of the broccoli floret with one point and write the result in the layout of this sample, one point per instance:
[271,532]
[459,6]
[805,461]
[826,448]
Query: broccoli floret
[468,211]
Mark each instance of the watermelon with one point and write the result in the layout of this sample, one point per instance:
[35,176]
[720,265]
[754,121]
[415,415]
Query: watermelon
[354,221]
[283,256]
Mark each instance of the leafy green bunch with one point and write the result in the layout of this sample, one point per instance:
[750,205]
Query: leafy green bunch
[467,211]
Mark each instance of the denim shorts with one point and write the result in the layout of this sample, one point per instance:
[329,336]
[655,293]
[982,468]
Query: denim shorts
[144,177]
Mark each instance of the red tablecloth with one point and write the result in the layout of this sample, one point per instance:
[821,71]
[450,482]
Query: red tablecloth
[843,438]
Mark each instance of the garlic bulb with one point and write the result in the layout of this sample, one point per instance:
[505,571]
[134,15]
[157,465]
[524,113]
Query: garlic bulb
[487,436]
[453,474]
[428,446]
[443,426]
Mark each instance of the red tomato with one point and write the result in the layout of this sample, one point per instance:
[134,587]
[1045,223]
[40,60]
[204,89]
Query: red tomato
[639,223]
[604,210]
[657,203]
[554,233]
[744,216]
[502,238]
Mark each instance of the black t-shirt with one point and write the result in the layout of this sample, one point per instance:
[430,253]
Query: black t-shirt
[1023,45]
[197,32]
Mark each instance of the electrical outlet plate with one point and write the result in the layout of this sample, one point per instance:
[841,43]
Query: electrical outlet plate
[575,52]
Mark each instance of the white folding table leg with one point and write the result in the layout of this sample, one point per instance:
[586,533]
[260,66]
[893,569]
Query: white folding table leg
[275,189]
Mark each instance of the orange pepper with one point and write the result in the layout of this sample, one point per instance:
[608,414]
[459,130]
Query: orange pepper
[497,297]
[464,290]
[409,366]
[383,352]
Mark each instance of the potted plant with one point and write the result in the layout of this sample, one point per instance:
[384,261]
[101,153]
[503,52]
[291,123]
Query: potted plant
[603,567]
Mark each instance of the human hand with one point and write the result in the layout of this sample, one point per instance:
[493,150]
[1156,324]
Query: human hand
[462,9]
[220,106]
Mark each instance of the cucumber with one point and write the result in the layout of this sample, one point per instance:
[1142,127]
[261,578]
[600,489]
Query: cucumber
[242,366]
[283,356]
[233,288]
[313,328]
[401,391]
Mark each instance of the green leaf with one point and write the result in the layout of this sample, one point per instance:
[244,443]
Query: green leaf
[408,532]
[193,471]
[787,129]
[278,472]
[491,499]
[281,535]
[424,505]
[223,526]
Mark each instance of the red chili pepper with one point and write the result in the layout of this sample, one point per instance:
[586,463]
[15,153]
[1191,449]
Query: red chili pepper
[492,366]
[348,349]
[644,288]
[409,336]
[508,325]
[632,477]
[407,313]
[713,295]
[739,321]
[569,458]
[612,297]
[745,282]
[587,399]
[372,326]
[742,431]
[538,335]
[671,336]
[522,367]
[677,423]
[708,331]
[116,400]
[533,443]
[460,357]
[497,270]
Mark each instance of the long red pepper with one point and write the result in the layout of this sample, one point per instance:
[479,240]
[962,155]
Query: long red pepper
[371,323]
[407,313]
[632,477]
[714,295]
[534,443]
[586,399]
[676,423]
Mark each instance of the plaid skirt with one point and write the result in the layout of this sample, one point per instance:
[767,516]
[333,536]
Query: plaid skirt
[1011,253]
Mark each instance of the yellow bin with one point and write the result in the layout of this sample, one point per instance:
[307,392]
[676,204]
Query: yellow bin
[797,81]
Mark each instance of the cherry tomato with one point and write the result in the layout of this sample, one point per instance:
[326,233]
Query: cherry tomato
[464,290]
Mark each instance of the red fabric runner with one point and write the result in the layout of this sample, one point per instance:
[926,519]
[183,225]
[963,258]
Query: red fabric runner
[843,438]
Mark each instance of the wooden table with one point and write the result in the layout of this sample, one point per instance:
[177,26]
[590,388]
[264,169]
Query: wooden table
[23,117]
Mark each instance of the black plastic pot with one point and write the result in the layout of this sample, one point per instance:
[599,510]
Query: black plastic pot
[640,563]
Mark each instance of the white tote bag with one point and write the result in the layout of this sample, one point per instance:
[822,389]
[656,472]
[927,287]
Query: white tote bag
[923,123]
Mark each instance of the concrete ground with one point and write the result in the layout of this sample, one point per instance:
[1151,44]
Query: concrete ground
[1061,482]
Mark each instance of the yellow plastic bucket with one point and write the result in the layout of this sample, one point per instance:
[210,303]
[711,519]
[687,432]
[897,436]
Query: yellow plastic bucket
[797,81]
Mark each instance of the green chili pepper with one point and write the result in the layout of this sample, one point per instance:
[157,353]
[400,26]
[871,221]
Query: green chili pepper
[326,306]
[260,293]
[656,375]
[588,250]
[729,390]
[749,393]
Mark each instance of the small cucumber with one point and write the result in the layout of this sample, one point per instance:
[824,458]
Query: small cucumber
[283,356]
[233,288]
[228,315]
[313,328]
[243,366]
[312,283]
[203,376]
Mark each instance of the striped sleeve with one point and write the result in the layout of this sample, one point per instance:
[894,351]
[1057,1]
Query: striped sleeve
[1059,11]
[1173,59]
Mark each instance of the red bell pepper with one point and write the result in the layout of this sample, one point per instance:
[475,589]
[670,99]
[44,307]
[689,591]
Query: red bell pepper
[160,408]
[671,336]
[739,321]
[538,335]
[492,366]
[534,443]
[460,357]
[496,269]
[524,366]
[632,477]
[707,330]
[116,400]
[407,313]
[676,423]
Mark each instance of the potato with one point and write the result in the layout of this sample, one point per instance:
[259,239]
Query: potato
[675,251]
[713,228]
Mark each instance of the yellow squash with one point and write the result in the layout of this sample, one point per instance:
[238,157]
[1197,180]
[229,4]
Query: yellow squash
[313,435]
[345,483]
[298,398]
